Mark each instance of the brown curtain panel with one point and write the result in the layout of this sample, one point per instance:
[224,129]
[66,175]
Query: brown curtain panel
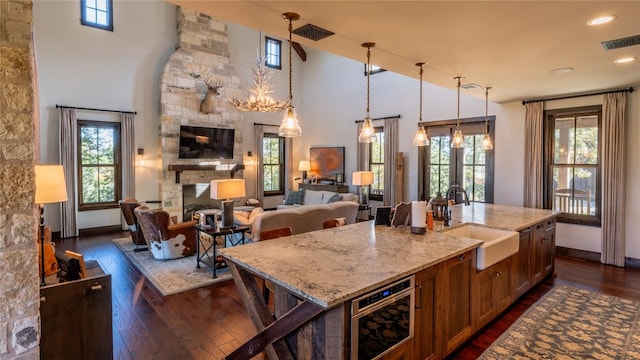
[533,191]
[613,181]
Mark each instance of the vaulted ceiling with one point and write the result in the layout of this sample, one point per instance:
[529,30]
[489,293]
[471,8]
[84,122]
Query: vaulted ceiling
[512,46]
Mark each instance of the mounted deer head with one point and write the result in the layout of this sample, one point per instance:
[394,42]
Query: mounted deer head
[212,90]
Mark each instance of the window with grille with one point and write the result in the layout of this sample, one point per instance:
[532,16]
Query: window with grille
[273,52]
[572,164]
[471,167]
[97,13]
[99,172]
[273,164]
[376,165]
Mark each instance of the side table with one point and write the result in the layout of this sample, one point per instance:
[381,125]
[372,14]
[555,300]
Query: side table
[209,254]
[364,213]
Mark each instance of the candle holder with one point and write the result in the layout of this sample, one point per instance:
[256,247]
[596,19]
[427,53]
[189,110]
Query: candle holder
[440,208]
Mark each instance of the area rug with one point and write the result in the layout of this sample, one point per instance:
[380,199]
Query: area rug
[571,323]
[171,276]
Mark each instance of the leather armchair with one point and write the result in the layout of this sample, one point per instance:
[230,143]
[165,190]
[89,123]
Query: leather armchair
[166,241]
[127,206]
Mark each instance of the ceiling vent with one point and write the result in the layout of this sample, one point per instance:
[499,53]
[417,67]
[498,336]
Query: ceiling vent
[620,43]
[312,32]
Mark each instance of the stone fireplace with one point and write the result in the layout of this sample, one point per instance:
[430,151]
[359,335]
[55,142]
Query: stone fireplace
[201,58]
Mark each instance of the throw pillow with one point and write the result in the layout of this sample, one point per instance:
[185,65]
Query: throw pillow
[295,197]
[334,198]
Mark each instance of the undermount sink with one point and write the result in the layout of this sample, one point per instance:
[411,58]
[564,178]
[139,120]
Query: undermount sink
[498,244]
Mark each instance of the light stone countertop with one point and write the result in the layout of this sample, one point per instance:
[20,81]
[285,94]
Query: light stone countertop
[503,217]
[331,266]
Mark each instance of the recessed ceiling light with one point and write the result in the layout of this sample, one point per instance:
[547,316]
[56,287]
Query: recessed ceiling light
[625,60]
[601,20]
[564,70]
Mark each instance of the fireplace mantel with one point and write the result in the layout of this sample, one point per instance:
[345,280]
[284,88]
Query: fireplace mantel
[178,168]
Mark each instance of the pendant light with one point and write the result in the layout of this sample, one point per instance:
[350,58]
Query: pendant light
[457,141]
[367,132]
[486,140]
[290,126]
[421,138]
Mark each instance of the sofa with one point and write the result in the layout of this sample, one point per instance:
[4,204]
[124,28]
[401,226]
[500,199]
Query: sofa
[303,219]
[304,197]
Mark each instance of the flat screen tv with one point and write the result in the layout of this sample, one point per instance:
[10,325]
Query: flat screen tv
[206,143]
[326,162]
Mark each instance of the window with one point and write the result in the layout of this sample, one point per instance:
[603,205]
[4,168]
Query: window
[273,164]
[97,13]
[572,164]
[99,183]
[273,52]
[376,165]
[440,166]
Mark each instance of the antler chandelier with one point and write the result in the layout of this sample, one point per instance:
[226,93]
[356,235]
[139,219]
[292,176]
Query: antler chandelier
[259,98]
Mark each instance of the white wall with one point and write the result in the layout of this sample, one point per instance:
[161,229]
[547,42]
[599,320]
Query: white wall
[120,70]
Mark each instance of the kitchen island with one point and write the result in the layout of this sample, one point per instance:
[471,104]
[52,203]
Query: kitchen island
[318,274]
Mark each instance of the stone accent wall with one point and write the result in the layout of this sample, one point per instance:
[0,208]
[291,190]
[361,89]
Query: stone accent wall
[19,283]
[202,56]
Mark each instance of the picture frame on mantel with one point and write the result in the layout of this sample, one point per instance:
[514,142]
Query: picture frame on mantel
[327,163]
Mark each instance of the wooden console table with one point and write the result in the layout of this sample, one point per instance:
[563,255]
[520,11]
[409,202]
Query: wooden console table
[324,187]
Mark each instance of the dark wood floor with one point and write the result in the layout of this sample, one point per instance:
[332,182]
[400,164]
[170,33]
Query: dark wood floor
[209,322]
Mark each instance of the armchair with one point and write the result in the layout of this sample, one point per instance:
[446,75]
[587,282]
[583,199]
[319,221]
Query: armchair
[166,241]
[127,206]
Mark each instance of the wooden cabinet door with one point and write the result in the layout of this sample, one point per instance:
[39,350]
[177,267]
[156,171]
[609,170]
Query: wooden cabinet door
[548,247]
[492,293]
[426,344]
[522,263]
[483,298]
[456,299]
[76,319]
[537,253]
[501,283]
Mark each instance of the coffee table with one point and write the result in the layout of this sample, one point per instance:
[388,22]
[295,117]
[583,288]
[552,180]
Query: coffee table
[209,255]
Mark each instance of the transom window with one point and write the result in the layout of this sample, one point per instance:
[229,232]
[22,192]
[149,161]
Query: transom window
[97,13]
[376,165]
[99,171]
[573,164]
[273,164]
[440,166]
[273,52]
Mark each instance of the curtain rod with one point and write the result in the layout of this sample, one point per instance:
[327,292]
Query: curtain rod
[381,118]
[91,109]
[255,123]
[629,89]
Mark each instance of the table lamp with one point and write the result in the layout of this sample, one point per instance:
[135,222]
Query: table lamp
[50,188]
[304,166]
[363,179]
[226,190]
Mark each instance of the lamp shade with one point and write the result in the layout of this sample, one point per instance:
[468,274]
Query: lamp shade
[50,184]
[304,165]
[362,178]
[227,189]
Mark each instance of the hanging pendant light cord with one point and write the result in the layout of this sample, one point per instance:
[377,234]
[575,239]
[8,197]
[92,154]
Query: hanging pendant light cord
[290,66]
[420,115]
[486,109]
[368,75]
[458,122]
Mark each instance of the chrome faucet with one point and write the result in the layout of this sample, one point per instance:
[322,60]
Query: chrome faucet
[460,190]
